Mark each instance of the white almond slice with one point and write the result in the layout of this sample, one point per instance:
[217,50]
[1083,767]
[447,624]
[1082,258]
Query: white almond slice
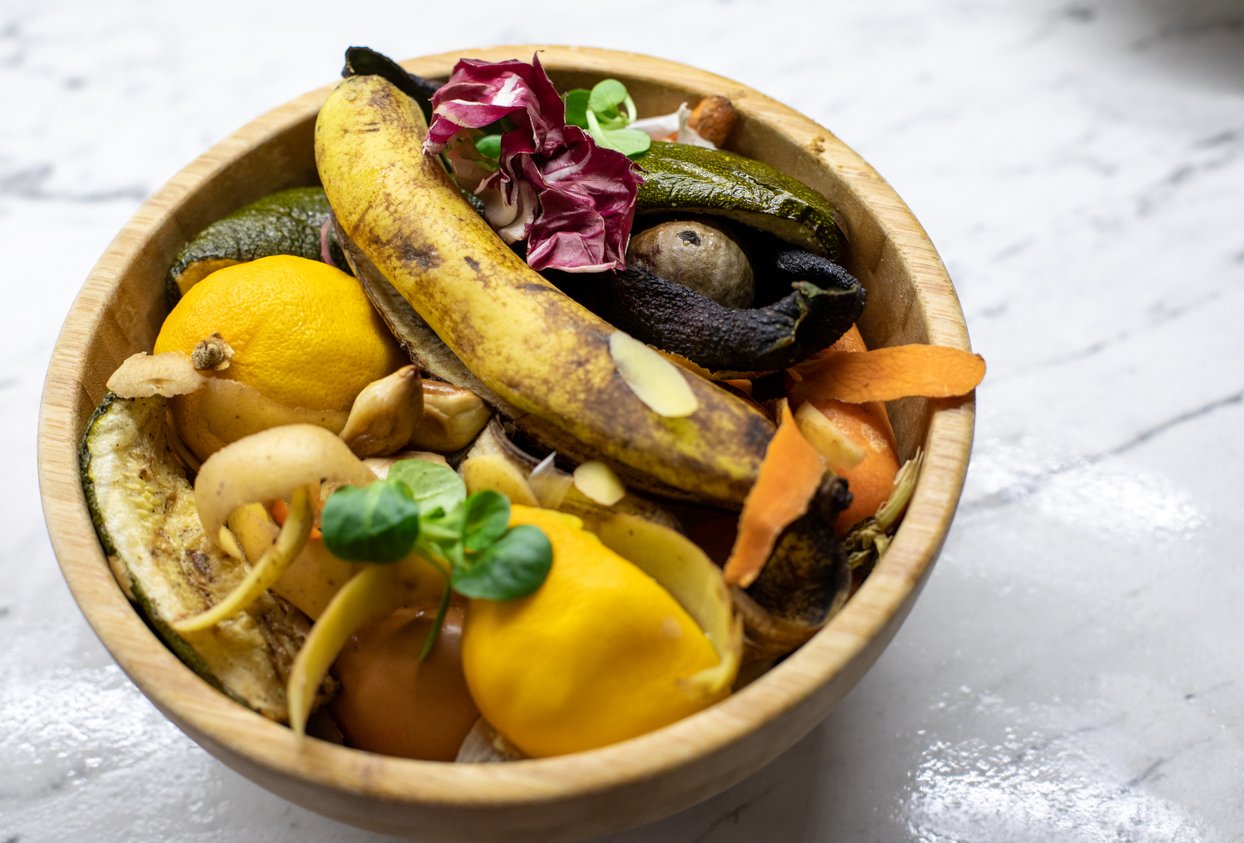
[655,381]
[143,375]
[840,452]
[598,482]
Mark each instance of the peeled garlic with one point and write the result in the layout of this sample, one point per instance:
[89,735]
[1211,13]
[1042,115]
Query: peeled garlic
[452,417]
[385,414]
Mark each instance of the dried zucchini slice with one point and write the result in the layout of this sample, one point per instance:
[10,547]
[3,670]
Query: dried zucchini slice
[143,510]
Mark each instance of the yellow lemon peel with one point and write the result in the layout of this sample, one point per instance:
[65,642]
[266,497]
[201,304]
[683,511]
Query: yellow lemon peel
[301,335]
[600,653]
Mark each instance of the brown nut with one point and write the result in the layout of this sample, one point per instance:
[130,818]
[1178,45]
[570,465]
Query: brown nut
[712,119]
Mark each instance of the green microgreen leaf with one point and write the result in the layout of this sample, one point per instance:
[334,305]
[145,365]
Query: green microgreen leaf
[489,146]
[630,142]
[485,518]
[576,107]
[631,111]
[433,486]
[605,111]
[374,523]
[606,97]
[423,508]
[513,566]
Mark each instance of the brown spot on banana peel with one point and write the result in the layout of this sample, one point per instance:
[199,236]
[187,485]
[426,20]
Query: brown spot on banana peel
[432,356]
[425,259]
[544,354]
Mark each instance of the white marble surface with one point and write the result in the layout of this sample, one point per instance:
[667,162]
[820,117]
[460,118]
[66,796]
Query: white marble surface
[1072,671]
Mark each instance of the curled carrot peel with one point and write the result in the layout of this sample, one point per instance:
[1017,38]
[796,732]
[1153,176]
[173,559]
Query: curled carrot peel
[280,511]
[886,374]
[866,424]
[789,476]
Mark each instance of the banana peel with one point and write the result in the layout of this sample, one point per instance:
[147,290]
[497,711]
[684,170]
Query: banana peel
[534,348]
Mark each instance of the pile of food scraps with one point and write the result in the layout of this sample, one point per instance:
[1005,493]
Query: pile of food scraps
[532,428]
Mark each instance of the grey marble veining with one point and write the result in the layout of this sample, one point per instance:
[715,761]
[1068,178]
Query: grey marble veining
[1072,671]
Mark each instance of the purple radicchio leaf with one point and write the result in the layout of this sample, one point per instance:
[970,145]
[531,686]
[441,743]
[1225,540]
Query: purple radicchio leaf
[586,195]
[479,93]
[572,200]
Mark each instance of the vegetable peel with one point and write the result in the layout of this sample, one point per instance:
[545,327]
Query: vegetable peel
[266,570]
[887,374]
[789,476]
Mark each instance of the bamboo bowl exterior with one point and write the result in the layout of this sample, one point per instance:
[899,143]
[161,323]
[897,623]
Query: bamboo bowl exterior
[119,311]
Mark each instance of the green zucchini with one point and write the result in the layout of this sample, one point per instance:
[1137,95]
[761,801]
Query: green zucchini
[287,222]
[143,509]
[694,180]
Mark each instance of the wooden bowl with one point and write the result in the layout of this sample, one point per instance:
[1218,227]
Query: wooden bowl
[119,311]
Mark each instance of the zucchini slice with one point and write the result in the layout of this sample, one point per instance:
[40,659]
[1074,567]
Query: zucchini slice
[693,180]
[287,222]
[143,509]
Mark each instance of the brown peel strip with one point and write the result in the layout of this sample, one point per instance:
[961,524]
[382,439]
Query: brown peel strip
[789,476]
[886,374]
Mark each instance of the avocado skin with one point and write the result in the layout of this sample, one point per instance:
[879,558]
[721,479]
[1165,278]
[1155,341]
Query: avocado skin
[821,306]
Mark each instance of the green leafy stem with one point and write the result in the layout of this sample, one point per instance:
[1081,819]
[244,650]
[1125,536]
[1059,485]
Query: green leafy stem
[423,508]
[605,112]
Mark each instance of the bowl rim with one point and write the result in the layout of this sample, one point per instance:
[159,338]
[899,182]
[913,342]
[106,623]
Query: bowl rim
[871,616]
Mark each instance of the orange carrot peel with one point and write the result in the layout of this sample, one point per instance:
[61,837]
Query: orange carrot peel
[280,511]
[789,476]
[886,374]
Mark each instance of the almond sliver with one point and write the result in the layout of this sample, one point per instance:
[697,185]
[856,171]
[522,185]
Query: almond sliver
[655,381]
[598,482]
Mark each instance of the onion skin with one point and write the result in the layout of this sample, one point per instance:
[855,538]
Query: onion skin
[392,703]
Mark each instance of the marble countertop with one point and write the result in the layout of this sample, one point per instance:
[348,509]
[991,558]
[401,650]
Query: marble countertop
[1073,669]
